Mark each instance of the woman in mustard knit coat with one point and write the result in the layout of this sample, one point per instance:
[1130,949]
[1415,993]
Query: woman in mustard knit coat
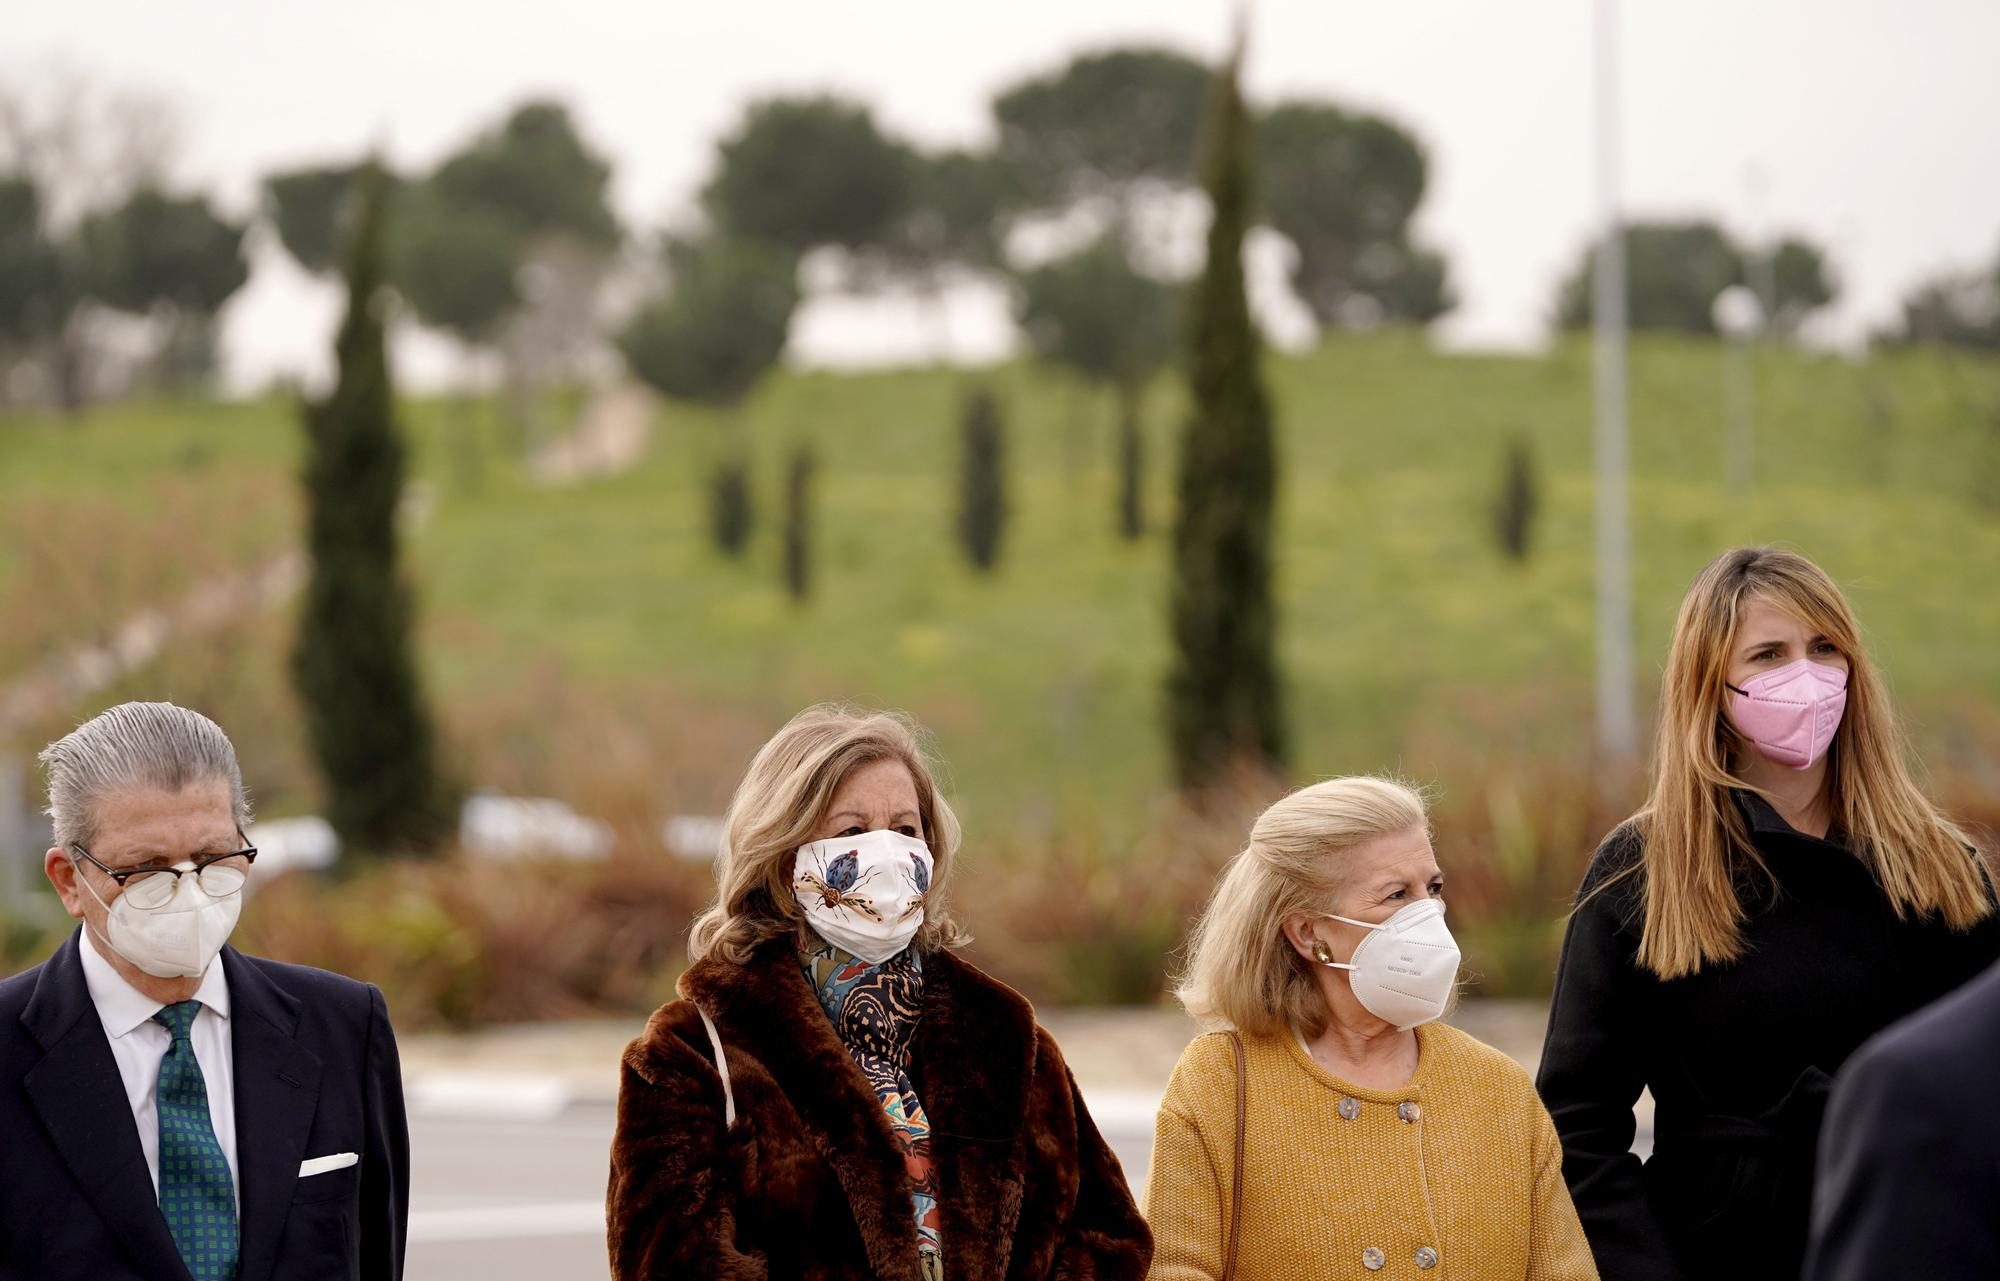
[1375,1141]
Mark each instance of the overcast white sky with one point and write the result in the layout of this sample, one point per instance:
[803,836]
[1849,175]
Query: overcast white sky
[1872,122]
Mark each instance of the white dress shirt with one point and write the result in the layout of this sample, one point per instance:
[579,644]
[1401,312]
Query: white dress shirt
[138,1044]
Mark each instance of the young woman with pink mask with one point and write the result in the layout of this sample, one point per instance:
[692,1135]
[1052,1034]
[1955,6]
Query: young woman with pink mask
[1786,892]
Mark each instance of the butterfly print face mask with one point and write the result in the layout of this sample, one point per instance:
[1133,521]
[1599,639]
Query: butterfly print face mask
[864,893]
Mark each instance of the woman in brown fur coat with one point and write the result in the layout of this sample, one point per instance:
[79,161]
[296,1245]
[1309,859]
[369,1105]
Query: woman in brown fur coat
[838,1095]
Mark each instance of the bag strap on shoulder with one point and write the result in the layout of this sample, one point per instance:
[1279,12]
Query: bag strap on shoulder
[722,1070]
[1236,1195]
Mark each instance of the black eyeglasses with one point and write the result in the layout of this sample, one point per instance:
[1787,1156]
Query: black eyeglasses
[220,875]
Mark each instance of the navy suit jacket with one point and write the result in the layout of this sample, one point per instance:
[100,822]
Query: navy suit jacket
[316,1073]
[1909,1159]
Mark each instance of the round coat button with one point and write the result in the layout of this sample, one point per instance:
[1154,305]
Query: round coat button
[1373,1259]
[1426,1257]
[1349,1109]
[1409,1112]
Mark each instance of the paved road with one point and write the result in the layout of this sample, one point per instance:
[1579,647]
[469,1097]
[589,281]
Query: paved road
[509,1200]
[503,1200]
[523,1200]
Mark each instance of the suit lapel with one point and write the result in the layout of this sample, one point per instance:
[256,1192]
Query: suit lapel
[976,1047]
[277,1093]
[81,1099]
[767,1009]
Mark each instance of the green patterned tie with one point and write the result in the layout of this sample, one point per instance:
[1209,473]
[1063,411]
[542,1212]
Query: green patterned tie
[195,1193]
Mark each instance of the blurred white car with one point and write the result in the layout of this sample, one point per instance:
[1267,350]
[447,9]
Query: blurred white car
[307,843]
[509,827]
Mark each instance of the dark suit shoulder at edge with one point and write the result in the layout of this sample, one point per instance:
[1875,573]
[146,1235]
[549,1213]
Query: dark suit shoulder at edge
[1958,1034]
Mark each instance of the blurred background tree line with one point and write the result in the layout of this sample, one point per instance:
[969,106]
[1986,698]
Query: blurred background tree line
[508,243]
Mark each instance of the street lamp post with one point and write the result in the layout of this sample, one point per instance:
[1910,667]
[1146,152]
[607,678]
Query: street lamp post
[1617,717]
[1739,318]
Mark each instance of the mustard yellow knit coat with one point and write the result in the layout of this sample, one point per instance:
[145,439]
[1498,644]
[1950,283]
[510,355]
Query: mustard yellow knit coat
[1456,1175]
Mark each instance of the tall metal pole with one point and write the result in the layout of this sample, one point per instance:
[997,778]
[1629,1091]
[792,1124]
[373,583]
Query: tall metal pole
[1764,283]
[1617,717]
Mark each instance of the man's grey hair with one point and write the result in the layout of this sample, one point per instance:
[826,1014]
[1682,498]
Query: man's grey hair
[155,746]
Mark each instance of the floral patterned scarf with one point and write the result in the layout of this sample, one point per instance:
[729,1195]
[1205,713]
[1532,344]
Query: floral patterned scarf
[874,1009]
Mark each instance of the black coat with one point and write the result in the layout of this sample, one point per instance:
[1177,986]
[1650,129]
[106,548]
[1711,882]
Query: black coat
[808,1184]
[1740,1058]
[1909,1181]
[316,1073]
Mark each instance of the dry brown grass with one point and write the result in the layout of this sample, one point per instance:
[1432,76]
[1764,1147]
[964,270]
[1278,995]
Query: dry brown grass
[462,941]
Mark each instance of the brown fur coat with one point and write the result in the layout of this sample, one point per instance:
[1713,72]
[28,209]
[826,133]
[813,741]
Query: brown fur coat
[808,1185]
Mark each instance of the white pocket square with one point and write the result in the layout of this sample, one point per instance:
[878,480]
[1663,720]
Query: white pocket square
[321,1164]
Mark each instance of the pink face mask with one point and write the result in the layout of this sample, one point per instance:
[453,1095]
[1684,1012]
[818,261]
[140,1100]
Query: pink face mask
[1790,715]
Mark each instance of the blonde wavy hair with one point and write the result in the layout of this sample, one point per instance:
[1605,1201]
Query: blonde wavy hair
[1241,970]
[779,803]
[1696,842]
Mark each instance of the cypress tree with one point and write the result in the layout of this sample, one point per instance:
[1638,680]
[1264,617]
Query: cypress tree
[352,663]
[1223,690]
[1514,510]
[730,513]
[798,524]
[982,508]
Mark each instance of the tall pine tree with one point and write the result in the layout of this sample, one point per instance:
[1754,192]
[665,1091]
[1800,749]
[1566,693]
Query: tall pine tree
[352,663]
[798,523]
[982,497]
[1223,695]
[1514,509]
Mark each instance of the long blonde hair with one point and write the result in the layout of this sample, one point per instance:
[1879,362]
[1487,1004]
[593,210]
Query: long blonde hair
[783,798]
[1242,971]
[1696,842]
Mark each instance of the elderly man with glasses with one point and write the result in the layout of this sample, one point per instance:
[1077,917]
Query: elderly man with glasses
[169,1107]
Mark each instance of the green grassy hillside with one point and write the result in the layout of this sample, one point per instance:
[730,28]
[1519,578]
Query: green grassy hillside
[1406,634]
